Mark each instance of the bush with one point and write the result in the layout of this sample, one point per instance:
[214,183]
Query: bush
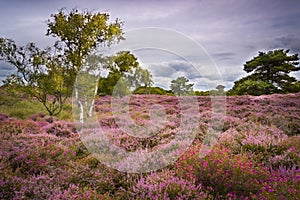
[60,129]
[166,185]
[150,90]
[283,184]
[252,87]
[10,127]
[265,144]
[223,173]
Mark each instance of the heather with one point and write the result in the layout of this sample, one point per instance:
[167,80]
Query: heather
[256,157]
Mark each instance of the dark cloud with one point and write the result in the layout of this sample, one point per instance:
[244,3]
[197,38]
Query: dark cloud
[161,70]
[185,68]
[224,56]
[164,73]
[289,41]
[170,69]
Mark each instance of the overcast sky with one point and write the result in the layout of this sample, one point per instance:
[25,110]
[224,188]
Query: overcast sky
[230,31]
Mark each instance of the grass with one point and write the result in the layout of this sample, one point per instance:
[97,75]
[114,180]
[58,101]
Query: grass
[22,108]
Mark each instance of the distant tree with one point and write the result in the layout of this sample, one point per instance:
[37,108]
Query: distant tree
[202,93]
[181,87]
[139,77]
[220,88]
[151,90]
[270,73]
[218,92]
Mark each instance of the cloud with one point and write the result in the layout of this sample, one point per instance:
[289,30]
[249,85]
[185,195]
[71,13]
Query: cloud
[164,72]
[289,41]
[224,56]
[161,70]
[231,31]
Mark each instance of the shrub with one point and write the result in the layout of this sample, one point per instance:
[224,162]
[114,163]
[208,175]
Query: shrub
[60,129]
[283,184]
[224,173]
[166,185]
[13,127]
[266,144]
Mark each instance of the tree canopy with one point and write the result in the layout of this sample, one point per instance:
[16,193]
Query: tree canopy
[79,33]
[269,74]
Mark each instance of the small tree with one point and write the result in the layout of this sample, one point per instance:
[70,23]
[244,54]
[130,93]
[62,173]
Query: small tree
[139,77]
[39,74]
[220,88]
[181,87]
[219,91]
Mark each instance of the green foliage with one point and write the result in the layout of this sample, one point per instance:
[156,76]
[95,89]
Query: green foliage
[39,74]
[80,33]
[151,90]
[291,87]
[17,104]
[23,109]
[181,87]
[122,62]
[124,75]
[269,74]
[202,93]
[139,77]
[252,87]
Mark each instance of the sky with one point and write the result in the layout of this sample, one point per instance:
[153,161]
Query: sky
[227,33]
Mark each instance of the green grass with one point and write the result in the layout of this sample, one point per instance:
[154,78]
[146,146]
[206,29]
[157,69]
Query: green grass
[25,108]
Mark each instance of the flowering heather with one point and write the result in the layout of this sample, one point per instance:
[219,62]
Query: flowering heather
[281,111]
[10,127]
[266,144]
[223,173]
[284,183]
[257,156]
[58,128]
[166,185]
